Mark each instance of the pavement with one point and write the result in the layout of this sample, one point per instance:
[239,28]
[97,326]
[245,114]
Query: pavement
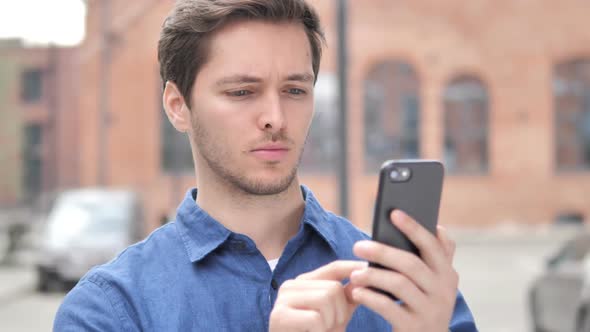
[515,233]
[16,280]
[497,267]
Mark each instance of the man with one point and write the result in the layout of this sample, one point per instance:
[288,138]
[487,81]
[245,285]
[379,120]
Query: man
[251,249]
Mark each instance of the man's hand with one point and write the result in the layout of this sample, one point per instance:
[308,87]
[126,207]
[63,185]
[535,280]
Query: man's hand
[316,301]
[427,287]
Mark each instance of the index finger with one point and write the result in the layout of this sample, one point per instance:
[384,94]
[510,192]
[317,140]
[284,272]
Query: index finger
[337,271]
[431,251]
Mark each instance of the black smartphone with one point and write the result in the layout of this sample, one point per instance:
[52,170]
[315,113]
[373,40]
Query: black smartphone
[413,186]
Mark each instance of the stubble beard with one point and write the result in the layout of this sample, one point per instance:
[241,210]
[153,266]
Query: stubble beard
[219,162]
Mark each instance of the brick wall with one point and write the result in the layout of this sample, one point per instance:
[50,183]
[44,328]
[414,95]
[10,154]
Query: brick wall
[511,46]
[54,112]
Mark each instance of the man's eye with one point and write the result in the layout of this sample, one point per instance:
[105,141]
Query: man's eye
[296,91]
[239,93]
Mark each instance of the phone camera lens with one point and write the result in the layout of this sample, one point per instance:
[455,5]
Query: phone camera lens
[401,174]
[394,175]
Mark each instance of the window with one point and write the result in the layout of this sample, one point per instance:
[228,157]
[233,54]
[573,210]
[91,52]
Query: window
[33,161]
[466,125]
[32,84]
[392,114]
[321,147]
[176,153]
[571,93]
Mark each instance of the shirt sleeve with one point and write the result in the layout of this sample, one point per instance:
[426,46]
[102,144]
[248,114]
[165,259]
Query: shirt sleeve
[87,308]
[462,320]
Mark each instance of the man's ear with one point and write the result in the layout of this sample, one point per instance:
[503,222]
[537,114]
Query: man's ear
[176,109]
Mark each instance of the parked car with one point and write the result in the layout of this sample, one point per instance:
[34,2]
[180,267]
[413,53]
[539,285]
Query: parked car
[557,298]
[85,227]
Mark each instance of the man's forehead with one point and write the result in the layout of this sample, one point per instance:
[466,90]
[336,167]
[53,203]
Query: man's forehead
[243,40]
[258,51]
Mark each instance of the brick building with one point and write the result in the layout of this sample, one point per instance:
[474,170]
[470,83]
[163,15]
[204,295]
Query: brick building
[497,89]
[38,121]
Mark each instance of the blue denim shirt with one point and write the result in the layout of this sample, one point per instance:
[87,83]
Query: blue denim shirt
[196,275]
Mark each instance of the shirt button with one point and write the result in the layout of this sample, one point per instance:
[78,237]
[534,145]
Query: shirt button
[274,284]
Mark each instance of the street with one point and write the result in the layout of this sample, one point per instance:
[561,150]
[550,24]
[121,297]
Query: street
[495,277]
[21,307]
[30,312]
[495,269]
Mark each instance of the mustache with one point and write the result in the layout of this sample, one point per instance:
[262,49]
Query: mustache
[279,137]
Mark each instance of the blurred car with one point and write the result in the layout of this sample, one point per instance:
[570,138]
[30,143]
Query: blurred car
[556,297]
[85,227]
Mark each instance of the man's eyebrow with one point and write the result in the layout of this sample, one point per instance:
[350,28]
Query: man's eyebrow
[305,77]
[241,79]
[238,79]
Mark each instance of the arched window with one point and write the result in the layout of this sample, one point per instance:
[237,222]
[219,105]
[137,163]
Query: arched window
[392,114]
[321,148]
[571,93]
[466,121]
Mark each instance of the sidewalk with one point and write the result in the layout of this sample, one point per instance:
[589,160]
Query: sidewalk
[15,280]
[514,233]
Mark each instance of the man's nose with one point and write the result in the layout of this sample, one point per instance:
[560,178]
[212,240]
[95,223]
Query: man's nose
[272,117]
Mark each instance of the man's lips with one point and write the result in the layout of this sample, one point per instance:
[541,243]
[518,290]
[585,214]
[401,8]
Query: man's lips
[271,152]
[271,146]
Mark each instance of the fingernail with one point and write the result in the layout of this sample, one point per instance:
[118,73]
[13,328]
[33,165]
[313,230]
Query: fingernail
[363,245]
[362,249]
[398,216]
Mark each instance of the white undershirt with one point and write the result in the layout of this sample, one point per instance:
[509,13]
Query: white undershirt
[273,263]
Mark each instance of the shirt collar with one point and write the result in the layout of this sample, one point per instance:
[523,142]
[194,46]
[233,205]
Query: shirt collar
[319,219]
[202,234]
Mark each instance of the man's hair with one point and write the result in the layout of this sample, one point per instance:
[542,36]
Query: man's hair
[184,39]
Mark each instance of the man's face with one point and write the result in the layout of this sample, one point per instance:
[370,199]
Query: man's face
[253,104]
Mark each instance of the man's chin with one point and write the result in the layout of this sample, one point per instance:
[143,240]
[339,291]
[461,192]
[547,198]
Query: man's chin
[267,186]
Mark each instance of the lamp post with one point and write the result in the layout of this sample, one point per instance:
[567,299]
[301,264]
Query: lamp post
[104,91]
[342,25]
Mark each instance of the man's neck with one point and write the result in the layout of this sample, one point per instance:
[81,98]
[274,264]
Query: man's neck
[269,220]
